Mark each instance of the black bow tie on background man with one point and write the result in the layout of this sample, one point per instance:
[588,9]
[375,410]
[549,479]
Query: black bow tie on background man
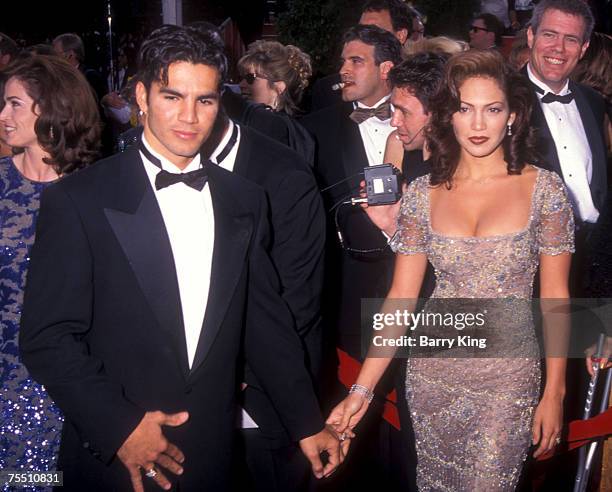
[382,112]
[195,179]
[550,97]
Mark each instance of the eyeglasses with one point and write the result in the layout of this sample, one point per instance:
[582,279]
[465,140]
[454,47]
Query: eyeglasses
[478,28]
[250,78]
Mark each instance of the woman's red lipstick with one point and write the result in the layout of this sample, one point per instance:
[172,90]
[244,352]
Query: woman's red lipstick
[478,140]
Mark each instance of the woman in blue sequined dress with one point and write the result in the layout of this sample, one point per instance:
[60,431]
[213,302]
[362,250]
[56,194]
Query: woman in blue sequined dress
[51,121]
[486,220]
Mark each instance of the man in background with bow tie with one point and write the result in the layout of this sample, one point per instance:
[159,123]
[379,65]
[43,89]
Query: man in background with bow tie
[149,281]
[568,116]
[350,136]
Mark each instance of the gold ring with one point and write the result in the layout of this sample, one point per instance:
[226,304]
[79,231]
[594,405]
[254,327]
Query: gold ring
[151,473]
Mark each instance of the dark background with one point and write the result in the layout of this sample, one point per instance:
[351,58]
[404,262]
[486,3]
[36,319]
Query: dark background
[37,21]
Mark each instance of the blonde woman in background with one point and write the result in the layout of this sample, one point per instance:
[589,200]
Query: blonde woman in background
[276,76]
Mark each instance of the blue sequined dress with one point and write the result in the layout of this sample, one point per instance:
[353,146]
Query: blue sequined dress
[472,416]
[30,423]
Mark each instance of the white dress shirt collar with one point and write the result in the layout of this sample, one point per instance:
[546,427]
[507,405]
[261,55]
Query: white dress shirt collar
[543,86]
[166,164]
[358,104]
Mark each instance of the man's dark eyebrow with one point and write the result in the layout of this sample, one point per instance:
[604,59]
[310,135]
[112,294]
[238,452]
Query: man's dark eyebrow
[172,92]
[166,90]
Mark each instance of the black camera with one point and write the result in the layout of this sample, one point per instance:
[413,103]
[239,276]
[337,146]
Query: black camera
[383,184]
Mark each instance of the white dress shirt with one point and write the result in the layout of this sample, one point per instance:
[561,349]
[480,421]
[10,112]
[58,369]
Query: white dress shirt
[374,133]
[190,223]
[573,149]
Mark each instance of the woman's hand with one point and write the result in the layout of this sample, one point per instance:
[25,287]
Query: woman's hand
[547,424]
[347,414]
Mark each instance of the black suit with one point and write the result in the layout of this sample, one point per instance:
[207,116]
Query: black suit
[276,125]
[592,110]
[102,325]
[298,230]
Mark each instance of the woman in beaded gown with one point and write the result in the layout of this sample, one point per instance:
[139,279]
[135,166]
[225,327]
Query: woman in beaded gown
[51,121]
[485,220]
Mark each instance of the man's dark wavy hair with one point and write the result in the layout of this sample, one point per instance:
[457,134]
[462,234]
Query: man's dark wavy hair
[169,44]
[386,45]
[519,149]
[420,74]
[68,127]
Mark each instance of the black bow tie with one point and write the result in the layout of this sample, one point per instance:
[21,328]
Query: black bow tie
[382,112]
[550,97]
[196,179]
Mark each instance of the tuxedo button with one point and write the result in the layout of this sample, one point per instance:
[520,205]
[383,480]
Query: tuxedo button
[86,445]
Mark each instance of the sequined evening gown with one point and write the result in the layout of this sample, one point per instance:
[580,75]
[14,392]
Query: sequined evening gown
[472,417]
[30,423]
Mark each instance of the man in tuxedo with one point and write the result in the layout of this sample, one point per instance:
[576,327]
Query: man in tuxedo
[149,274]
[394,16]
[568,116]
[349,137]
[298,229]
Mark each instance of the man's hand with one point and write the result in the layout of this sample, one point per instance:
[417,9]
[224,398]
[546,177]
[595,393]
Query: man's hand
[146,446]
[313,446]
[382,216]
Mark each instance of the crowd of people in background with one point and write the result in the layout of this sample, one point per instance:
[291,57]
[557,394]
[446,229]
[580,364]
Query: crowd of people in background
[146,341]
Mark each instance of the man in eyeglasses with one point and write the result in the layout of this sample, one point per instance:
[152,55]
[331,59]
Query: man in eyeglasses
[485,32]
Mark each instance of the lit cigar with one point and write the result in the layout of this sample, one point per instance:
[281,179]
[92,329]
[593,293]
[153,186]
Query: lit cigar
[338,86]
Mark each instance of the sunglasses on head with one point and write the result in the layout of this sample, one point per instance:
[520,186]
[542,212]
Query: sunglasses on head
[478,28]
[250,77]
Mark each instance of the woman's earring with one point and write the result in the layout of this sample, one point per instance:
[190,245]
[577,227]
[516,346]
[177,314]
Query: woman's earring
[509,132]
[51,135]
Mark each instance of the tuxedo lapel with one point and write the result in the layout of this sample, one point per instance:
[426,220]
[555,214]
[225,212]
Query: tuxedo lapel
[354,157]
[233,230]
[546,143]
[139,227]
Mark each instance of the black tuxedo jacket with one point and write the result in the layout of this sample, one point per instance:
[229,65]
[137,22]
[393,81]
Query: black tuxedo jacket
[592,109]
[340,154]
[102,326]
[298,231]
[276,125]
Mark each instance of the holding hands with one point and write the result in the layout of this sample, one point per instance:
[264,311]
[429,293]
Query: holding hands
[349,412]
